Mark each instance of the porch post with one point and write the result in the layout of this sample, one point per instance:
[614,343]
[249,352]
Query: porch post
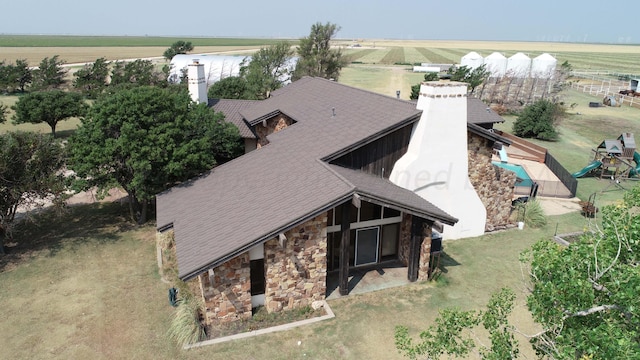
[344,249]
[417,224]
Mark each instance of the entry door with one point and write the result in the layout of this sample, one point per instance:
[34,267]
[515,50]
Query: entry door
[367,244]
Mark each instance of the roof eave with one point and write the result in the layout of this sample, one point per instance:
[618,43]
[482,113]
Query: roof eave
[270,235]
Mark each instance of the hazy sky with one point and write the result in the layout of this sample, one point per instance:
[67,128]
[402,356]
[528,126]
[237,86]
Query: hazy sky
[539,20]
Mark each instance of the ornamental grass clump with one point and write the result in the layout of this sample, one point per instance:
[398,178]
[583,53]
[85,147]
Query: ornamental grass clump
[186,326]
[531,214]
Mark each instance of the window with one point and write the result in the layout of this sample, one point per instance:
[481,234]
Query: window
[257,277]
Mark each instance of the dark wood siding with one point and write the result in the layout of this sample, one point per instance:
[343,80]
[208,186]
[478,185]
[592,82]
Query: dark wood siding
[378,157]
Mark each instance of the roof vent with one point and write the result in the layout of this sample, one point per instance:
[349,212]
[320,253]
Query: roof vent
[333,112]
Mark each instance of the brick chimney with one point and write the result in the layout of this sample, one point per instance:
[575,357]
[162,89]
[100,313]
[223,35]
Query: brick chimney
[197,83]
[436,163]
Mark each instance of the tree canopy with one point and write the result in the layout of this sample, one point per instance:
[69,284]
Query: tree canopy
[232,87]
[473,77]
[92,78]
[178,47]
[146,139]
[49,107]
[3,113]
[415,89]
[50,74]
[268,70]
[316,57]
[15,77]
[30,171]
[539,120]
[137,73]
[585,296]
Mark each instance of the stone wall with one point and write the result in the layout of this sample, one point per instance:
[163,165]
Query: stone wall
[274,125]
[227,294]
[296,273]
[425,253]
[494,185]
[405,239]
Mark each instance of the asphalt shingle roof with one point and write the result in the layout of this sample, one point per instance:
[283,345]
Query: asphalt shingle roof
[270,190]
[231,110]
[479,113]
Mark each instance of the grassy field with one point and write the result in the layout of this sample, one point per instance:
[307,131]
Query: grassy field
[86,286]
[79,49]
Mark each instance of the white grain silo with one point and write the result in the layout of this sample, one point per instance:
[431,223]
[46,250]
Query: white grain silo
[496,64]
[543,66]
[472,60]
[519,65]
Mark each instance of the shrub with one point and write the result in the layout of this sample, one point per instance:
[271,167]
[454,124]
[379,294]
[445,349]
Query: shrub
[539,120]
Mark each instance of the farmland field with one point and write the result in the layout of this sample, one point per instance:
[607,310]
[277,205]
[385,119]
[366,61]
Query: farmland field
[80,49]
[87,286]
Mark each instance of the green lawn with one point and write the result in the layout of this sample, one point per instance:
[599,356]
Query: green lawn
[86,286]
[583,130]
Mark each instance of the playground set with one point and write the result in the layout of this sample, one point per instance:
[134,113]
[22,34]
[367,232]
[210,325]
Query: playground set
[615,159]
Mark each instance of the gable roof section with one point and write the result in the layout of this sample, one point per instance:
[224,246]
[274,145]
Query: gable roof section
[265,192]
[231,110]
[479,113]
[382,191]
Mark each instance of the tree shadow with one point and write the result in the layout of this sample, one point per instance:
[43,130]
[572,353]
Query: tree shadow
[48,231]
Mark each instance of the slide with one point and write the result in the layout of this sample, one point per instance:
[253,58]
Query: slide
[636,158]
[593,165]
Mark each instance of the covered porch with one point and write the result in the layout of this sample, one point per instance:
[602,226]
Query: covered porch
[372,246]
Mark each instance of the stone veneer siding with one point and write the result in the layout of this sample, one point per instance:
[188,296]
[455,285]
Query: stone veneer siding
[425,253]
[227,295]
[405,239]
[274,125]
[296,274]
[494,185]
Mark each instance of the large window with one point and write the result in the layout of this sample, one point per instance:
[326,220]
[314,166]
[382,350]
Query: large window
[374,233]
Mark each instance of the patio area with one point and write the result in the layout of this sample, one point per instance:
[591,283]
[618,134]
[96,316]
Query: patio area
[369,279]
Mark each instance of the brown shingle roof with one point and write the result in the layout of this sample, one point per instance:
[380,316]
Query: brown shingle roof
[231,110]
[479,113]
[380,190]
[260,194]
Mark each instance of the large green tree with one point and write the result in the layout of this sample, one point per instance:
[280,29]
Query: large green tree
[415,89]
[585,297]
[315,55]
[92,78]
[178,47]
[3,113]
[232,87]
[146,139]
[50,74]
[49,107]
[15,77]
[30,171]
[474,77]
[539,120]
[137,73]
[268,70]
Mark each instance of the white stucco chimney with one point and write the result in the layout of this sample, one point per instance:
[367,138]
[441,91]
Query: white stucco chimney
[197,83]
[436,163]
